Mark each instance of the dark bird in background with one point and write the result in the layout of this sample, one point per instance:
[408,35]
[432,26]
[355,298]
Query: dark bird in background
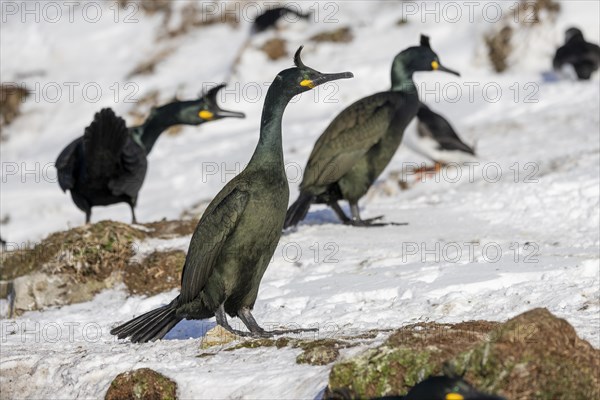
[2,243]
[437,139]
[360,142]
[269,18]
[445,388]
[582,55]
[107,165]
[239,231]
[434,388]
[262,22]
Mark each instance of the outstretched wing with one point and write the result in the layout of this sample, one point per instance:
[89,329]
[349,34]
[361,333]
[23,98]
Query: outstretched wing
[349,136]
[66,164]
[216,225]
[103,142]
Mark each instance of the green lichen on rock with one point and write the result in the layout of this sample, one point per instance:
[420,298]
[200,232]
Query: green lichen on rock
[142,383]
[532,356]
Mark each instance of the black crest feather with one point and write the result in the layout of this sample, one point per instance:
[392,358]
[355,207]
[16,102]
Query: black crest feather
[297,60]
[211,94]
[425,41]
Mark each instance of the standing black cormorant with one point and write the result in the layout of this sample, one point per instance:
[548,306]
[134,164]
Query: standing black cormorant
[269,18]
[582,55]
[107,165]
[239,231]
[438,140]
[360,142]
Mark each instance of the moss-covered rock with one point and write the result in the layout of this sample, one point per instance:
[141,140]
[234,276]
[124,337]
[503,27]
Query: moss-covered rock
[142,383]
[72,266]
[532,356]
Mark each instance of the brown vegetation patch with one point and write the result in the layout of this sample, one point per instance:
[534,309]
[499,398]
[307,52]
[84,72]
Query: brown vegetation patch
[499,48]
[166,229]
[149,66]
[528,14]
[150,7]
[340,35]
[11,99]
[94,250]
[193,18]
[90,250]
[158,272]
[275,48]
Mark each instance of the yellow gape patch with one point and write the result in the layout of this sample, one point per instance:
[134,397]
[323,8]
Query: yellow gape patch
[204,114]
[435,65]
[307,82]
[454,396]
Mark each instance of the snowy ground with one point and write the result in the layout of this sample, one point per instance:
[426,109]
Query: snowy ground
[476,247]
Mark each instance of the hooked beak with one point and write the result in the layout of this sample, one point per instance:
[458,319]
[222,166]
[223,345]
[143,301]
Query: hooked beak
[331,77]
[448,70]
[229,114]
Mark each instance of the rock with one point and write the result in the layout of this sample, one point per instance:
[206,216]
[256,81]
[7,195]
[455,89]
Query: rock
[532,356]
[142,383]
[40,290]
[217,336]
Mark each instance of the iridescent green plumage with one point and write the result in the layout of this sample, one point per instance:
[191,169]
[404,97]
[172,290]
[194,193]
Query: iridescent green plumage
[360,142]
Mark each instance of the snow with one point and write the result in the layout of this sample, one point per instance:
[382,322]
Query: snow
[475,248]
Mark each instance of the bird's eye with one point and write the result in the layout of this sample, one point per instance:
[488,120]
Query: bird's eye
[435,65]
[206,115]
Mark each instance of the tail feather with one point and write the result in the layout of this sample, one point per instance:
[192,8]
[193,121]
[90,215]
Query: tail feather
[298,210]
[103,142]
[150,326]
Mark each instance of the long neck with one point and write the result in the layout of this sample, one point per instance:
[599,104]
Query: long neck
[402,77]
[269,149]
[160,119]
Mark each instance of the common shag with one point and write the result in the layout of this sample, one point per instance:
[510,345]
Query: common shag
[237,234]
[437,140]
[269,18]
[443,388]
[582,55]
[360,142]
[107,165]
